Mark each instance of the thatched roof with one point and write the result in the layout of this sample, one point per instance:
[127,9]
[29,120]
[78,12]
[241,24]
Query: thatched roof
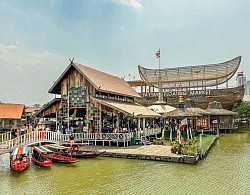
[178,113]
[199,111]
[221,112]
[215,108]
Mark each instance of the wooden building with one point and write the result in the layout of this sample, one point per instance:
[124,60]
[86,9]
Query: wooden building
[11,114]
[99,100]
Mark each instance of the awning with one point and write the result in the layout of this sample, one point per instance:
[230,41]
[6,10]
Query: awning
[42,149]
[131,109]
[20,150]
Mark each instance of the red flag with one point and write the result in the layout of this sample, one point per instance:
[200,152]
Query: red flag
[158,54]
[240,74]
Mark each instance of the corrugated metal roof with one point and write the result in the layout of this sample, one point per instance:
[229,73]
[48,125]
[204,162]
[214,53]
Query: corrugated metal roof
[11,111]
[130,108]
[106,82]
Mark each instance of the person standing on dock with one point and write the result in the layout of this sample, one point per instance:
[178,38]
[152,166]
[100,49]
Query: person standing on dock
[71,140]
[14,133]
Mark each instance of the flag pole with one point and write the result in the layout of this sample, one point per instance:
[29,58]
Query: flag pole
[159,76]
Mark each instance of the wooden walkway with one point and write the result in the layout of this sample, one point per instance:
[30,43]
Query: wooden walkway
[148,152]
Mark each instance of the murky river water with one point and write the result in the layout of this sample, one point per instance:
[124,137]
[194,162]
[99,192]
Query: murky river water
[226,170]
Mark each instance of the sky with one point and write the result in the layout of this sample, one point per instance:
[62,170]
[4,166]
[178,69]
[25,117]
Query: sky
[37,38]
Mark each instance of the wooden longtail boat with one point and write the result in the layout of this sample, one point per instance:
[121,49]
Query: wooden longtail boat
[57,157]
[19,158]
[40,156]
[78,153]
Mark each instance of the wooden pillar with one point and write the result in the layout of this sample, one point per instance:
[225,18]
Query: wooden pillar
[138,124]
[143,123]
[208,121]
[117,122]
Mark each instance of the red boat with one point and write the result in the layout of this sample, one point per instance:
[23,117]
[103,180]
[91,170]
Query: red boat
[40,156]
[19,158]
[57,157]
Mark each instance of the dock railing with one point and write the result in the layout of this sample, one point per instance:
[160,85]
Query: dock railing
[36,137]
[147,132]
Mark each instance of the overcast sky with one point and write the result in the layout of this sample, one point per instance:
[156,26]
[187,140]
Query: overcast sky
[38,37]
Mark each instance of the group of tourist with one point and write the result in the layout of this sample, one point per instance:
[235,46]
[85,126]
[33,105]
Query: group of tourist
[15,131]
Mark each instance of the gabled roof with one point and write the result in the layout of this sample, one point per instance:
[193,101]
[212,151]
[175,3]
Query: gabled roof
[102,82]
[11,111]
[31,109]
[47,105]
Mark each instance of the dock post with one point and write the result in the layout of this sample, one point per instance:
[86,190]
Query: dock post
[201,145]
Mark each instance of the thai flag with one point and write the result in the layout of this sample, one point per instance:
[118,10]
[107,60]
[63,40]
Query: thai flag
[240,74]
[158,54]
[184,122]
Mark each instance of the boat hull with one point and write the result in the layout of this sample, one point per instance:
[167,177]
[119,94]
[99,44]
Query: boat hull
[227,97]
[85,154]
[63,159]
[44,162]
[19,167]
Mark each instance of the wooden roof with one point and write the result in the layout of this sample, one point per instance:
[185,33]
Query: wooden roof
[191,76]
[102,81]
[45,109]
[31,109]
[11,111]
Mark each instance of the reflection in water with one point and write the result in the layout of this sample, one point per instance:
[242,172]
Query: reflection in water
[224,171]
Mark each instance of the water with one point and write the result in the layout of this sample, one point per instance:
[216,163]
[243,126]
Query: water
[226,170]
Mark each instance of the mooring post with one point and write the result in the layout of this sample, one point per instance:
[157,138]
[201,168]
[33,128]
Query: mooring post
[200,144]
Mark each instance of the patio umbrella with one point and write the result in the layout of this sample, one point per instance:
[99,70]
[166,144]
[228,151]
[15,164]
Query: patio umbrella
[161,109]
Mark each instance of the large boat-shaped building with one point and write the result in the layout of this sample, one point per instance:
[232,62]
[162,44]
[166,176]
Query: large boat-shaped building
[199,83]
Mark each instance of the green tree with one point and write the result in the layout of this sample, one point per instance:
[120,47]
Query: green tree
[243,110]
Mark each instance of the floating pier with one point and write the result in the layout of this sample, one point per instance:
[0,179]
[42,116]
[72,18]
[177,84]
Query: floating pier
[151,152]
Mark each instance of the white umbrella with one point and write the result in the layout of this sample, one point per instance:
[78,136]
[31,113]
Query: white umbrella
[161,108]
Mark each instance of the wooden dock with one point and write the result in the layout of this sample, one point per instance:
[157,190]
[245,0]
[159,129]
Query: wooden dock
[149,152]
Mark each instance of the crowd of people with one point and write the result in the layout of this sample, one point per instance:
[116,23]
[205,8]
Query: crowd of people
[24,129]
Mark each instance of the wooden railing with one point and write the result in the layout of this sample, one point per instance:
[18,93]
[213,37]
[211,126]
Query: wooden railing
[5,136]
[148,132]
[7,144]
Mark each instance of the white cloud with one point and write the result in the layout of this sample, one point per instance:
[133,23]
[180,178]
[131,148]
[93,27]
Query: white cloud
[131,3]
[27,74]
[18,56]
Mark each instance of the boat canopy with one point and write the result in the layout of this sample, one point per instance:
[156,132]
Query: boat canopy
[20,150]
[42,149]
[190,76]
[58,147]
